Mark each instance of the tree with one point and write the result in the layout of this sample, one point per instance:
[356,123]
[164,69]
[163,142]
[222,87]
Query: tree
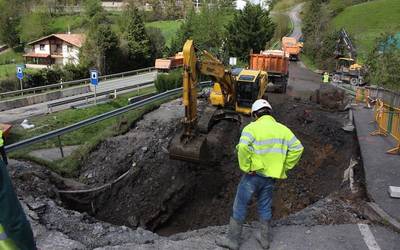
[101,48]
[92,8]
[157,42]
[35,24]
[206,28]
[9,21]
[384,62]
[135,38]
[250,29]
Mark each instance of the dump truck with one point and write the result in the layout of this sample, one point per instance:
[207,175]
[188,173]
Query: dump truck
[6,128]
[168,63]
[276,64]
[292,46]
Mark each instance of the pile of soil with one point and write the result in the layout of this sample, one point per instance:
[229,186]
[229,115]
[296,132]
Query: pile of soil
[169,196]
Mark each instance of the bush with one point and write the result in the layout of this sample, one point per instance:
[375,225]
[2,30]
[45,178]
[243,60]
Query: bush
[9,84]
[167,81]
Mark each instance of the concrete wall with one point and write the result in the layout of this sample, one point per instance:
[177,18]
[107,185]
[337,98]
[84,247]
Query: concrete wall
[40,98]
[70,54]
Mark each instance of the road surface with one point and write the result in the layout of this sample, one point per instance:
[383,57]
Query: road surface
[18,114]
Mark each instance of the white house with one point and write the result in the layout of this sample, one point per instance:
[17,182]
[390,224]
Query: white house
[60,49]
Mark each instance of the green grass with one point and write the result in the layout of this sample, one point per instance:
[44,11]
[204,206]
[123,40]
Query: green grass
[365,22]
[8,63]
[11,56]
[87,137]
[168,28]
[60,24]
[7,70]
[283,5]
[310,64]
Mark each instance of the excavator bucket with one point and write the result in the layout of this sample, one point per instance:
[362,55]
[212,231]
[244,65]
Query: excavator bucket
[193,149]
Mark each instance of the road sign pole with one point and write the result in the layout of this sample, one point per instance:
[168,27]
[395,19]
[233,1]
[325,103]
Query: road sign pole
[95,95]
[22,88]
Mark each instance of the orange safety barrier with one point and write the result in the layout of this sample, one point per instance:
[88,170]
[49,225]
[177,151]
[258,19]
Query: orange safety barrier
[381,118]
[362,95]
[395,131]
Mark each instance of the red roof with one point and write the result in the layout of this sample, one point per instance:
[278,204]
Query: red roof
[74,39]
[33,54]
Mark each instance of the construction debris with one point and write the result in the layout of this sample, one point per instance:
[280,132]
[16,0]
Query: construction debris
[394,191]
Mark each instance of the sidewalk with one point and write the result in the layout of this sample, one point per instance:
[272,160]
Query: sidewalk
[381,170]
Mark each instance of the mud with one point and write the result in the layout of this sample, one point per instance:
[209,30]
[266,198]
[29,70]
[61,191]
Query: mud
[169,196]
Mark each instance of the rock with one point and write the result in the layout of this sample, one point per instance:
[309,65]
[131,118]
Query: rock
[58,241]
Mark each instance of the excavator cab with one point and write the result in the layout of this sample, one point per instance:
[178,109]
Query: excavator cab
[344,64]
[251,85]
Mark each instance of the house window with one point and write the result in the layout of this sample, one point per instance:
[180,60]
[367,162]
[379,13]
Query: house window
[69,48]
[41,46]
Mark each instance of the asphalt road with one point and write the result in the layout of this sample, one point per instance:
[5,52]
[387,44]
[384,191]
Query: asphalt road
[18,114]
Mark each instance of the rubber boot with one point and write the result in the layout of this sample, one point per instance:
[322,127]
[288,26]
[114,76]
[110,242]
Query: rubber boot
[264,234]
[232,240]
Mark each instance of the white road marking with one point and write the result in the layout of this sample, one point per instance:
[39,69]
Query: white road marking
[368,237]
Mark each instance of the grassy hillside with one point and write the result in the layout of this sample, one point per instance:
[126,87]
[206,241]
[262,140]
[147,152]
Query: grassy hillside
[168,28]
[365,22]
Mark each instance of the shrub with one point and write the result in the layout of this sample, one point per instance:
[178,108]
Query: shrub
[167,81]
[9,84]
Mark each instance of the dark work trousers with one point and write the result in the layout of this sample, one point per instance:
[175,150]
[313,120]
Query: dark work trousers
[12,216]
[3,155]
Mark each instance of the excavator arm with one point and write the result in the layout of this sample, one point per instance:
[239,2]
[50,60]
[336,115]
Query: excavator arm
[190,144]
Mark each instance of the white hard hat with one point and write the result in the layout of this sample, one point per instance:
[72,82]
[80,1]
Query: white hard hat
[259,104]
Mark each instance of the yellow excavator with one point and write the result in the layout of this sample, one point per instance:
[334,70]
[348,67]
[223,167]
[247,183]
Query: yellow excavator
[231,95]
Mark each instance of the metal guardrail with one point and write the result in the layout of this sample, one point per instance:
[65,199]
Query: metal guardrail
[81,98]
[92,120]
[74,82]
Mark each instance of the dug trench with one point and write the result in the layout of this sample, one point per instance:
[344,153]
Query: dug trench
[145,188]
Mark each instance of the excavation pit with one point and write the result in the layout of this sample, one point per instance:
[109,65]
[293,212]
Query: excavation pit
[169,196]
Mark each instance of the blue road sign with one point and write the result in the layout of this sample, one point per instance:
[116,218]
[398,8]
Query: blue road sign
[20,72]
[94,77]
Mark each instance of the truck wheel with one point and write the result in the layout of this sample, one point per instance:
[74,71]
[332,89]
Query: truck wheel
[354,81]
[283,89]
[336,78]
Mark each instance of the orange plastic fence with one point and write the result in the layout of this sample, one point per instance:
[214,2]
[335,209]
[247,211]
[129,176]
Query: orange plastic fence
[388,121]
[381,118]
[395,131]
[362,95]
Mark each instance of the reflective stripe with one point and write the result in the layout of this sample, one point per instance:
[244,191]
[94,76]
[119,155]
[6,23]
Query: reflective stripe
[246,134]
[270,150]
[271,141]
[296,147]
[3,236]
[293,140]
[244,141]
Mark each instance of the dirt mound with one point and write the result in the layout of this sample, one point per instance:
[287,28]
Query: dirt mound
[330,98]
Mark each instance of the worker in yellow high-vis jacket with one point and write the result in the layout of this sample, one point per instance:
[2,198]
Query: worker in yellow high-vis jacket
[15,229]
[2,150]
[266,151]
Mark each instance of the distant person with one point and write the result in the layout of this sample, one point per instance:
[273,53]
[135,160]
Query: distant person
[15,229]
[325,77]
[267,150]
[2,150]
